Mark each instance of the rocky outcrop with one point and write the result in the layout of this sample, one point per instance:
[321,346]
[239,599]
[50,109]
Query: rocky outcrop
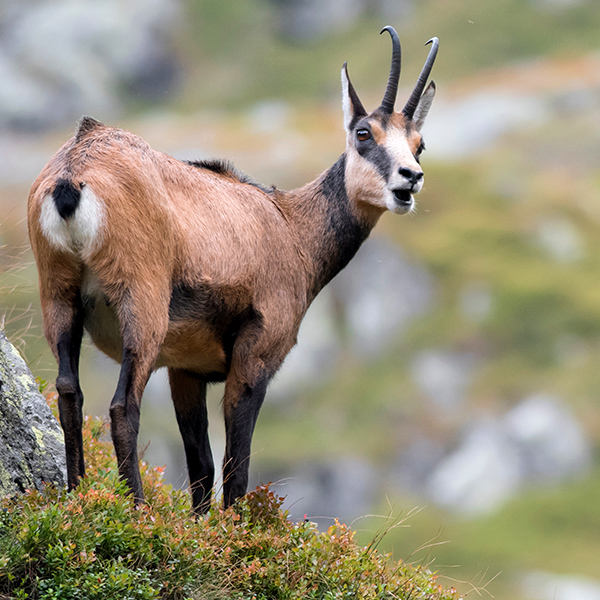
[31,441]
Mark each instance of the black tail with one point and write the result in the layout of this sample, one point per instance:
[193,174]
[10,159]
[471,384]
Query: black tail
[66,197]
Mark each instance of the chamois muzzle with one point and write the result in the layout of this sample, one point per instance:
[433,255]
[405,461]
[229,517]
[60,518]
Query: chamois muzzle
[389,98]
[413,101]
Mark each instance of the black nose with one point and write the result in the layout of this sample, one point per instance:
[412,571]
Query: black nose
[412,176]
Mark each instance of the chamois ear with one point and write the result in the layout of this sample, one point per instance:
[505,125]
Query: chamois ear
[423,106]
[353,108]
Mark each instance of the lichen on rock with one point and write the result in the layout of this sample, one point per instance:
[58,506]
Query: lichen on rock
[32,448]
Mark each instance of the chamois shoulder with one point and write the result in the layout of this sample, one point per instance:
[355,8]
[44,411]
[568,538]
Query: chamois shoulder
[226,168]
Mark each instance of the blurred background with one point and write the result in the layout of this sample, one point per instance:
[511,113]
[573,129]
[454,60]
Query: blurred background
[448,380]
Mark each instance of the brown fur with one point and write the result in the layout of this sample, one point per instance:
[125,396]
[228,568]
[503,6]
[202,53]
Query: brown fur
[196,227]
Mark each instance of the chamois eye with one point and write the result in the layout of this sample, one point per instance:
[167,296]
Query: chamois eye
[362,135]
[418,152]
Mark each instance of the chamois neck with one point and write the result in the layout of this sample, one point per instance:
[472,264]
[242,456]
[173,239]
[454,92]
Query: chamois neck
[331,225]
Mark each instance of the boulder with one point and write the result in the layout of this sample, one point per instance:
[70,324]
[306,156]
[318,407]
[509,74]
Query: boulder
[550,440]
[344,488]
[32,447]
[381,292]
[444,376]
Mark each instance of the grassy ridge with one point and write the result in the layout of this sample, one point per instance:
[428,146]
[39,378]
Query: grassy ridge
[94,544]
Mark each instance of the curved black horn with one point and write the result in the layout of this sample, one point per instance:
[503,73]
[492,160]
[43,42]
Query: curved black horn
[389,99]
[413,101]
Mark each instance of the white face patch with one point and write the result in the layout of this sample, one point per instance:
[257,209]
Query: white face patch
[402,158]
[401,185]
[81,233]
[392,204]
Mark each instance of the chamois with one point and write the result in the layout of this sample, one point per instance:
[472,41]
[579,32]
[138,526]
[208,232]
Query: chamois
[194,267]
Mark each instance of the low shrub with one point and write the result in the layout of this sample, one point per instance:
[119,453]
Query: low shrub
[93,543]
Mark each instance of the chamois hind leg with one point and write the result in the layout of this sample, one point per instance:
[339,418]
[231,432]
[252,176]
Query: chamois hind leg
[188,391]
[70,396]
[63,327]
[144,327]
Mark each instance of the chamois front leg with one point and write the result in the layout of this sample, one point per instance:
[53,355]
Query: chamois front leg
[242,404]
[245,390]
[188,391]
[260,347]
[144,327]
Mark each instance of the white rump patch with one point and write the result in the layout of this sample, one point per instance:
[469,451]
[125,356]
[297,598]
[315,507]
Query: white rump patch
[81,233]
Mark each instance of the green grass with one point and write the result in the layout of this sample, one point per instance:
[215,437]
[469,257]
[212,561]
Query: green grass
[93,543]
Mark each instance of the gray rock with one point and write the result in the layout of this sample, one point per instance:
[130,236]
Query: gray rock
[560,239]
[415,463]
[444,377]
[382,292]
[476,301]
[307,19]
[473,123]
[537,442]
[31,441]
[344,489]
[556,4]
[269,116]
[480,475]
[551,442]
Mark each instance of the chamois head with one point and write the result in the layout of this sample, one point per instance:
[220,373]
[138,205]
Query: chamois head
[383,147]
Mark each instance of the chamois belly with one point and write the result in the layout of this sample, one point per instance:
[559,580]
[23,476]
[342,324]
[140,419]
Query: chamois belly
[191,344]
[101,322]
[195,347]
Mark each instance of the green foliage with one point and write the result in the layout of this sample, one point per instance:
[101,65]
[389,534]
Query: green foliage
[94,543]
[42,384]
